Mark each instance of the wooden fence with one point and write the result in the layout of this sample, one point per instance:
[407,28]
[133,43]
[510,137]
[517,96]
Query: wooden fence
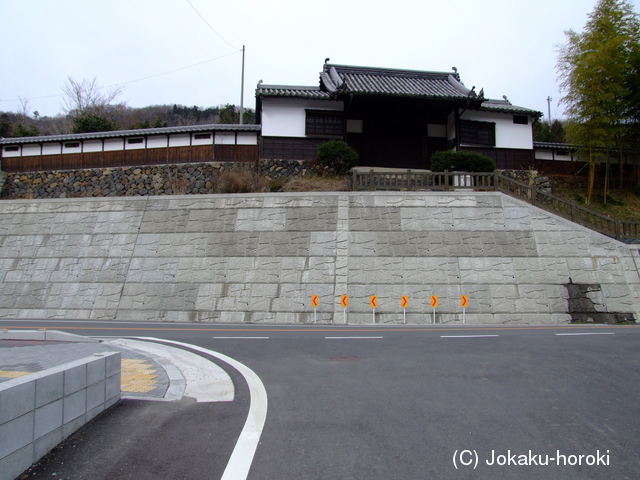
[496,181]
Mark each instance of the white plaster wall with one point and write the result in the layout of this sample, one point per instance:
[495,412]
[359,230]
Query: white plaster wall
[285,117]
[157,141]
[179,140]
[8,153]
[66,149]
[225,138]
[31,150]
[51,149]
[202,141]
[92,146]
[113,144]
[247,138]
[548,155]
[508,134]
[134,146]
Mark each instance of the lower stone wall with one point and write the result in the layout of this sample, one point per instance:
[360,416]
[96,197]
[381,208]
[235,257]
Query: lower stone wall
[200,178]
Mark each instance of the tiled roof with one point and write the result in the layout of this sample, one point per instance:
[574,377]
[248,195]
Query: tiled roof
[393,82]
[505,106]
[291,91]
[212,127]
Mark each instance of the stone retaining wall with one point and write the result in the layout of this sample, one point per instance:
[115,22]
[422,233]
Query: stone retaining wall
[200,178]
[260,258]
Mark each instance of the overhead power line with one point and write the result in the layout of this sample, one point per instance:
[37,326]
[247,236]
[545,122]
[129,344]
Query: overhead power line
[137,79]
[212,29]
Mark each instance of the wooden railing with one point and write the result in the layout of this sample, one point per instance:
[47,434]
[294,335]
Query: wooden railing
[409,180]
[496,181]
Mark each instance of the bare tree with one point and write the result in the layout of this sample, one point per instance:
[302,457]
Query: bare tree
[87,97]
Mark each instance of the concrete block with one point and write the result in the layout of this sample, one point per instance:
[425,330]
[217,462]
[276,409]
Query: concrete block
[74,406]
[22,334]
[92,413]
[96,395]
[96,369]
[74,424]
[49,388]
[112,364]
[322,244]
[17,462]
[46,443]
[16,434]
[112,387]
[75,378]
[16,399]
[47,418]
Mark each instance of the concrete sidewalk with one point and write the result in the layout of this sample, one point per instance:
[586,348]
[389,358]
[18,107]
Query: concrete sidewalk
[25,352]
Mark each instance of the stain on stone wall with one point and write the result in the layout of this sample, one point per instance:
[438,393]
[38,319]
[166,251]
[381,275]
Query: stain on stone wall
[586,305]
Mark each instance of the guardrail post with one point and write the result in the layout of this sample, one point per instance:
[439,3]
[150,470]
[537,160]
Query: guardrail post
[446,180]
[409,186]
[573,211]
[617,226]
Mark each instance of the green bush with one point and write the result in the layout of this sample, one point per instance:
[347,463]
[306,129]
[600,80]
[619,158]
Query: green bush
[339,156]
[461,162]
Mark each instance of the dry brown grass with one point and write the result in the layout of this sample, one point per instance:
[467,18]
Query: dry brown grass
[317,184]
[240,181]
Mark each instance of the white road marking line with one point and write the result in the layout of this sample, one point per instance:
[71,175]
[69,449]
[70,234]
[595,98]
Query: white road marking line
[467,336]
[202,379]
[585,333]
[245,449]
[350,338]
[242,338]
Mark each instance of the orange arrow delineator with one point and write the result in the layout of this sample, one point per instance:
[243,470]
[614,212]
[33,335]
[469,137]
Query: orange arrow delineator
[373,301]
[315,301]
[404,303]
[434,301]
[464,301]
[344,301]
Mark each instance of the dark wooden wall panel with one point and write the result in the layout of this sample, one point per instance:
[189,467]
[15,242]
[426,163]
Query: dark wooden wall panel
[112,158]
[288,148]
[92,160]
[507,158]
[202,153]
[236,153]
[178,154]
[157,156]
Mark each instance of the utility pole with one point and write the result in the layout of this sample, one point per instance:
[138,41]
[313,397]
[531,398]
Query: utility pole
[548,109]
[242,90]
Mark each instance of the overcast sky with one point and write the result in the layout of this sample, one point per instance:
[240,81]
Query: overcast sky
[507,47]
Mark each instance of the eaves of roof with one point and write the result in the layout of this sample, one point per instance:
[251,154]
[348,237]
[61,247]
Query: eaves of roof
[556,145]
[133,133]
[502,106]
[291,91]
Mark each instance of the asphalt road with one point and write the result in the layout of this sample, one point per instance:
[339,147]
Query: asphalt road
[377,402]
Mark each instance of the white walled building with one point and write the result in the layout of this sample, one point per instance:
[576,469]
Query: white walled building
[393,118]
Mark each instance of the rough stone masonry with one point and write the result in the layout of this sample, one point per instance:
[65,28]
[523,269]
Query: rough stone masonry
[260,258]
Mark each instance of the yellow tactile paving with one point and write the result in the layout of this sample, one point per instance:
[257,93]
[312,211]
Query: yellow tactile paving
[12,374]
[137,376]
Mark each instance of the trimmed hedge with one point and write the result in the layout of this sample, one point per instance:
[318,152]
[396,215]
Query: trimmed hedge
[461,162]
[338,156]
